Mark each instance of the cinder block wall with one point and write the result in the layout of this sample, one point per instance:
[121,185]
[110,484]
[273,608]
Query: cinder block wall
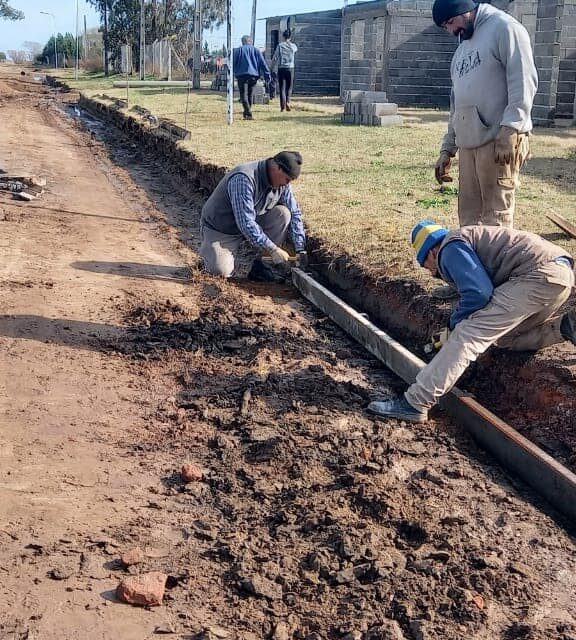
[317,65]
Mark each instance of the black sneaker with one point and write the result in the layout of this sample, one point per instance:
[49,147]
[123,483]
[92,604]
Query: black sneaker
[568,327]
[248,116]
[261,272]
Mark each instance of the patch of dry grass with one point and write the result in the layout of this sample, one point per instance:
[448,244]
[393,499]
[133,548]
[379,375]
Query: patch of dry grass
[362,188]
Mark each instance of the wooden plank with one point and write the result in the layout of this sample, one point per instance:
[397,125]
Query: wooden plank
[516,453]
[561,222]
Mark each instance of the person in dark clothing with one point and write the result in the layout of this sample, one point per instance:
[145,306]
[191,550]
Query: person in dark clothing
[249,65]
[283,62]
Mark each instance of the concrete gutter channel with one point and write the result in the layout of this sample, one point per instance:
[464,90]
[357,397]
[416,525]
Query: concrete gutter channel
[391,304]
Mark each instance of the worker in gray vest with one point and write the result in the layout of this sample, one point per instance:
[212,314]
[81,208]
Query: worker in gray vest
[511,284]
[254,204]
[494,81]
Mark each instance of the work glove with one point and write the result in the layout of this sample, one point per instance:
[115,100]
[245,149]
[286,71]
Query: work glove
[302,259]
[441,338]
[505,145]
[279,256]
[442,168]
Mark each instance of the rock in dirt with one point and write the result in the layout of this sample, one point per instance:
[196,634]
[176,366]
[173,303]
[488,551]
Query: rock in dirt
[63,570]
[389,630]
[281,632]
[146,590]
[165,629]
[261,587]
[133,556]
[192,473]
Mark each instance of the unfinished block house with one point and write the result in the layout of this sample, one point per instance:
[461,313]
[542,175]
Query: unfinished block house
[394,46]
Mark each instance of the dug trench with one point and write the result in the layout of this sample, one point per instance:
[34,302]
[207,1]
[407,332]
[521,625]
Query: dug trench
[309,520]
[533,392]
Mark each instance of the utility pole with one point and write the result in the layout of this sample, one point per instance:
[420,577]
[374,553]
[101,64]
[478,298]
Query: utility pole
[77,65]
[230,62]
[142,41]
[253,26]
[197,51]
[85,42]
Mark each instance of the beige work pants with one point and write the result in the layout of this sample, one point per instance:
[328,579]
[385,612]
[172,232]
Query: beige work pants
[519,316]
[486,193]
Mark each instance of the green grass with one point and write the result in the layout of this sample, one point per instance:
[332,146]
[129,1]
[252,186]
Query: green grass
[362,188]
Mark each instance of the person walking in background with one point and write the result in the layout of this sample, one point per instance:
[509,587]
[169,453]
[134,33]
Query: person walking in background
[283,64]
[494,82]
[249,65]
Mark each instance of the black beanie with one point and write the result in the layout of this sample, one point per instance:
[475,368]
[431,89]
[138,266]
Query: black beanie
[290,162]
[443,10]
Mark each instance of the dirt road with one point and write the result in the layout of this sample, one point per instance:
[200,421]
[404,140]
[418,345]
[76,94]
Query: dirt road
[121,361]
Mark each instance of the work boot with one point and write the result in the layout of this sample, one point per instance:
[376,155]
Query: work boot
[261,272]
[248,116]
[444,292]
[400,409]
[568,326]
[288,108]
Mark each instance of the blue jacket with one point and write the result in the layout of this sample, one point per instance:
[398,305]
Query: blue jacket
[462,266]
[249,61]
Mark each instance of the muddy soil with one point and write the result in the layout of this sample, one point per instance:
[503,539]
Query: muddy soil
[121,361]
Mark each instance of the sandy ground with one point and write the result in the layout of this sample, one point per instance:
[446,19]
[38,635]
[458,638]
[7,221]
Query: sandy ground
[121,361]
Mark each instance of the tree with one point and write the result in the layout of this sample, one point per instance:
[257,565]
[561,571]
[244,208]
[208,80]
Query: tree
[103,7]
[2,56]
[65,45]
[18,56]
[8,13]
[35,48]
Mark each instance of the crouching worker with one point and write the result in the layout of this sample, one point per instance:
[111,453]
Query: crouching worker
[511,285]
[254,204]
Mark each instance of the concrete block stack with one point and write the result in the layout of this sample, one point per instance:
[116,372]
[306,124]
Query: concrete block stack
[369,108]
[220,84]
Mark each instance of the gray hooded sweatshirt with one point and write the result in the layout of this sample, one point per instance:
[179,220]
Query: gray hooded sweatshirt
[494,81]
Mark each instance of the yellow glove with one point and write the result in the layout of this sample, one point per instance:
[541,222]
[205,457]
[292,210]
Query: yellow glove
[505,145]
[442,168]
[279,256]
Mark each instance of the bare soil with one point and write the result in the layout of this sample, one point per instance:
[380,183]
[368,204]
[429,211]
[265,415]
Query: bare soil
[121,361]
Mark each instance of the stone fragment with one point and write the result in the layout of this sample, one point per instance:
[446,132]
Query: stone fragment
[388,630]
[133,556]
[192,473]
[261,587]
[146,590]
[281,632]
[165,628]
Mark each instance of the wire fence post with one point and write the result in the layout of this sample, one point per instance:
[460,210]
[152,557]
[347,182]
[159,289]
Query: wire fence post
[230,63]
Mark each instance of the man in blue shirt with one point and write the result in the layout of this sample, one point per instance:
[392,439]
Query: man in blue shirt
[511,286]
[254,204]
[249,65]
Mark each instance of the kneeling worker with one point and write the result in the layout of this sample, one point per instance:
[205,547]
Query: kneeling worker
[511,285]
[254,203]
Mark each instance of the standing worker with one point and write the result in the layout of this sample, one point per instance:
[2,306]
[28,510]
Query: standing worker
[283,62]
[511,284]
[494,82]
[249,65]
[254,204]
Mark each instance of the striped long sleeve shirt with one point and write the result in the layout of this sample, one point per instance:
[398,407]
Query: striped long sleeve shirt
[241,192]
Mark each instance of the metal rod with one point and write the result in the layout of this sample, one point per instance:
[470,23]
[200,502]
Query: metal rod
[230,62]
[253,25]
[77,65]
[544,474]
[142,41]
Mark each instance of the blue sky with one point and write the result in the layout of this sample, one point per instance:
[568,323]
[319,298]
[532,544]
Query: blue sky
[37,27]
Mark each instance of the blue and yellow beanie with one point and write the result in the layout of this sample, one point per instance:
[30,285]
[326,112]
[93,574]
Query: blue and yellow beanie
[425,236]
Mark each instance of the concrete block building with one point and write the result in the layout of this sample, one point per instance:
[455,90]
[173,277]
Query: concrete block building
[393,46]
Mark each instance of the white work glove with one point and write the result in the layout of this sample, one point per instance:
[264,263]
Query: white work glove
[279,256]
[505,145]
